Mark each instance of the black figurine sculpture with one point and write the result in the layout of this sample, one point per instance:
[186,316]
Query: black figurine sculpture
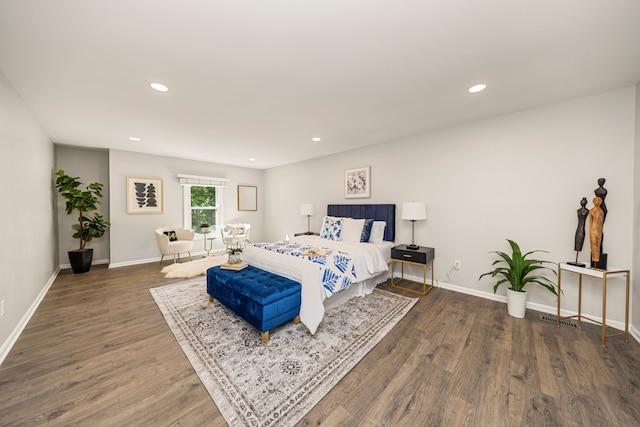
[583,212]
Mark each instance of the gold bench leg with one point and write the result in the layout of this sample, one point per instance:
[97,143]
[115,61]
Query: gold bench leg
[210,298]
[265,335]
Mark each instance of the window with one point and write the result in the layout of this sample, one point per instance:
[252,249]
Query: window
[202,204]
[202,200]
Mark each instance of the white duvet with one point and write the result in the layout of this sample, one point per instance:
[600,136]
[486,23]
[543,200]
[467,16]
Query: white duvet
[368,260]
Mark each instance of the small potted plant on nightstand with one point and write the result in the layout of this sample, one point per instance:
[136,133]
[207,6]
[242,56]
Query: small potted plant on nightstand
[518,272]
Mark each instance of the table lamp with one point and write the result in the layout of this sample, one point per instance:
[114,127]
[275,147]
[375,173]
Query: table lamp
[307,209]
[413,211]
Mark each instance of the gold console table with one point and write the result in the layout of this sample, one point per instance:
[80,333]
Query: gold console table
[603,275]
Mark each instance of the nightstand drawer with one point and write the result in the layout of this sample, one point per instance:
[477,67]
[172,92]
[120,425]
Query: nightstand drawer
[420,256]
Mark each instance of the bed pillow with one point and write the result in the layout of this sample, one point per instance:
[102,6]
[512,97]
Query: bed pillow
[377,232]
[331,228]
[366,230]
[352,230]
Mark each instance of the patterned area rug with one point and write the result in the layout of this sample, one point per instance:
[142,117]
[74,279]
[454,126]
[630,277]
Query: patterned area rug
[277,383]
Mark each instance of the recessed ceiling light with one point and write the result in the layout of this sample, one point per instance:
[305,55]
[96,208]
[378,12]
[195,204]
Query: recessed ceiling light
[477,88]
[159,87]
[252,159]
[134,138]
[316,139]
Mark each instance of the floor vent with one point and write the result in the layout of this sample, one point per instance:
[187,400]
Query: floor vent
[554,319]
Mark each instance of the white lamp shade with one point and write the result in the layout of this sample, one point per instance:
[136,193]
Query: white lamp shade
[307,209]
[414,211]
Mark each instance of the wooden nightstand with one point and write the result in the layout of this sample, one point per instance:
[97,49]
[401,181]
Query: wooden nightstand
[422,256]
[306,233]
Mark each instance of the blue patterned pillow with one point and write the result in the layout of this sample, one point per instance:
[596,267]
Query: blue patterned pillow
[331,228]
[366,230]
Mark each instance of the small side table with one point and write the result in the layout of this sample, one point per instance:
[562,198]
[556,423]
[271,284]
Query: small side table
[602,275]
[422,256]
[205,238]
[306,233]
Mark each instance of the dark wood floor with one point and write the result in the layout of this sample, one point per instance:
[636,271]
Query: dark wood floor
[98,352]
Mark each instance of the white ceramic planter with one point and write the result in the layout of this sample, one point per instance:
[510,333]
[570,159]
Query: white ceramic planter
[516,303]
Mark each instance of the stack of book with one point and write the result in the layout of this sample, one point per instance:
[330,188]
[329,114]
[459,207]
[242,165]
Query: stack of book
[237,266]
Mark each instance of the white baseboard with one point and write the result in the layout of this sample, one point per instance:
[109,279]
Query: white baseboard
[134,262]
[94,262]
[553,310]
[15,334]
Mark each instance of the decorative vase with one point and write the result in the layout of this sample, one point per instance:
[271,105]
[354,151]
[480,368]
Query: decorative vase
[204,230]
[516,303]
[234,259]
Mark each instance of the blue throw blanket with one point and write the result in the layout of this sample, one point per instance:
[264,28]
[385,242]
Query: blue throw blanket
[337,267]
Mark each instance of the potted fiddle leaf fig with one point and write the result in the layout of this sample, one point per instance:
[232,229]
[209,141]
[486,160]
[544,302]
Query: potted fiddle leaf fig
[88,227]
[517,270]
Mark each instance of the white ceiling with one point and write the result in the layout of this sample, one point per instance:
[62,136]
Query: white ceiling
[260,78]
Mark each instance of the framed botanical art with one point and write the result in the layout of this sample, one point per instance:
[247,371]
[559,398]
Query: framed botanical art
[357,183]
[144,195]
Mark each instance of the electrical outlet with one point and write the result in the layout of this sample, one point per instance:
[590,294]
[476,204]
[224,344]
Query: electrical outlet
[457,264]
[2,308]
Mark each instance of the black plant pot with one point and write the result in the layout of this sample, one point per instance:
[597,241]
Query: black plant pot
[80,260]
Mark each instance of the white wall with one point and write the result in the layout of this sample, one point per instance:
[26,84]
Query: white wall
[635,292]
[519,176]
[132,239]
[28,252]
[90,166]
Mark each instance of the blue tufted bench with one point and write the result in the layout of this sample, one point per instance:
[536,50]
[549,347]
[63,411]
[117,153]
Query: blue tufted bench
[263,299]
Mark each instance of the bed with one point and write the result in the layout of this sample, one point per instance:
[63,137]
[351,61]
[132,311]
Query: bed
[357,268]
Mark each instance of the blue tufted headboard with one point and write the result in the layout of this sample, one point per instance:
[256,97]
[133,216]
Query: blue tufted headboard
[376,212]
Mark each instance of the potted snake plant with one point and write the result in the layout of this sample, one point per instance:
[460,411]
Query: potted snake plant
[517,270]
[88,226]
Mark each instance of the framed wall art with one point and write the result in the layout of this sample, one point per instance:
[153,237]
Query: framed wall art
[247,198]
[357,183]
[144,195]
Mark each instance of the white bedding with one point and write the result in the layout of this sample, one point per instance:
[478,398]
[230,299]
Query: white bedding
[370,260]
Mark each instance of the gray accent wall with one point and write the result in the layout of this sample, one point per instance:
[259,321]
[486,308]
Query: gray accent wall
[29,250]
[90,165]
[520,176]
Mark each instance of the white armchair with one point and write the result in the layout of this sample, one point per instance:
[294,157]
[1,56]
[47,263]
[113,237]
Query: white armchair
[184,242]
[235,234]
